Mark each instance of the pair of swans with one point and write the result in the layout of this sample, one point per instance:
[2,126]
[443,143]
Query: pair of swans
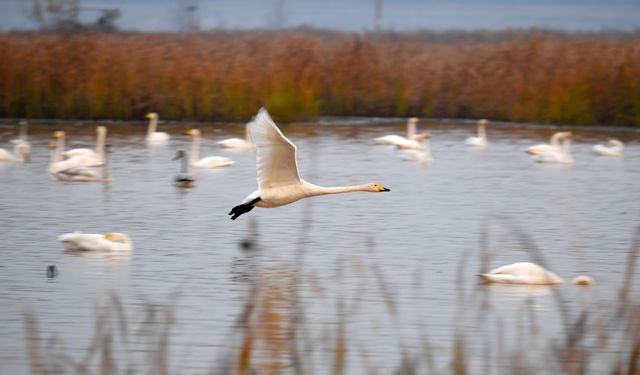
[21,148]
[612,148]
[480,140]
[110,242]
[558,152]
[206,162]
[530,274]
[75,168]
[279,182]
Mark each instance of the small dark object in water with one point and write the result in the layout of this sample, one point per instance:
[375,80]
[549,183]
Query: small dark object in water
[52,272]
[247,244]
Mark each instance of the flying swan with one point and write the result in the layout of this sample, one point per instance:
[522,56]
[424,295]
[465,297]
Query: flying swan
[279,182]
[481,139]
[110,242]
[209,161]
[613,148]
[155,137]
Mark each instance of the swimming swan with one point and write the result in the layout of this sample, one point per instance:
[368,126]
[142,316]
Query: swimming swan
[183,179]
[209,161]
[279,182]
[561,156]
[237,142]
[543,148]
[613,148]
[521,273]
[155,137]
[110,242]
[481,139]
[393,139]
[21,148]
[97,154]
[71,170]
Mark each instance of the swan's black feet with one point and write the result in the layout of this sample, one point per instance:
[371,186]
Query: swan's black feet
[242,209]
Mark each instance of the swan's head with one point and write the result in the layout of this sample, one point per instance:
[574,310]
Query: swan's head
[101,129]
[179,155]
[583,280]
[151,115]
[193,132]
[616,143]
[564,135]
[483,121]
[115,237]
[58,134]
[377,187]
[413,120]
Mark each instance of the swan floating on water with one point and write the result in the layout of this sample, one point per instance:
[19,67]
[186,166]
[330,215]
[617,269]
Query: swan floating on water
[21,148]
[553,145]
[560,156]
[481,140]
[209,161]
[155,137]
[421,155]
[583,280]
[183,179]
[97,155]
[238,142]
[72,170]
[110,242]
[279,182]
[393,139]
[521,273]
[613,148]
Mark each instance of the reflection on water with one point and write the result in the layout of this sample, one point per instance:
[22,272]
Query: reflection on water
[391,262]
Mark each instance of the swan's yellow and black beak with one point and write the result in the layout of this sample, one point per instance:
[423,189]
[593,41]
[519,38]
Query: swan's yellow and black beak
[57,134]
[190,132]
[382,188]
[151,115]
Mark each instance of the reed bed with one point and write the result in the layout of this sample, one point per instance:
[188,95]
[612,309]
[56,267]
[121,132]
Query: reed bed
[300,74]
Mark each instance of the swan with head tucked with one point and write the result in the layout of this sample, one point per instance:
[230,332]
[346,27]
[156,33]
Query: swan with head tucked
[238,142]
[613,148]
[97,154]
[279,182]
[561,156]
[110,242]
[542,148]
[155,137]
[209,161]
[393,139]
[521,273]
[481,140]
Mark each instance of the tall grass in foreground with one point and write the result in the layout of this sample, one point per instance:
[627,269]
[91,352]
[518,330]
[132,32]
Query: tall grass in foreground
[536,77]
[276,331]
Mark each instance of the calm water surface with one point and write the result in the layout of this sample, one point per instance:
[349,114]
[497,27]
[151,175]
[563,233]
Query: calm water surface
[402,262]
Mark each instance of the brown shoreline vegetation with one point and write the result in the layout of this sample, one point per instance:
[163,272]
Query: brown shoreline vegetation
[302,74]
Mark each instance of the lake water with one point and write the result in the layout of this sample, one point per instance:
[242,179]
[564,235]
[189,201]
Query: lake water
[392,268]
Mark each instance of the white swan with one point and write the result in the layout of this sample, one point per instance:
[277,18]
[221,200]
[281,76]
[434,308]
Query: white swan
[238,142]
[183,179]
[110,242]
[72,169]
[481,139]
[393,139]
[6,156]
[561,156]
[209,161]
[21,147]
[97,154]
[421,155]
[613,148]
[521,273]
[543,148]
[279,182]
[155,137]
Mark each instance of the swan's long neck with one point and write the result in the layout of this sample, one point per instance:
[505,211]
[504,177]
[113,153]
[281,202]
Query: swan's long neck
[195,148]
[566,147]
[411,130]
[23,132]
[321,190]
[57,154]
[247,136]
[184,165]
[100,141]
[482,131]
[153,126]
[554,140]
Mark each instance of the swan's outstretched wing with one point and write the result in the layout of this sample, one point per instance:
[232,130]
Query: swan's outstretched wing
[275,154]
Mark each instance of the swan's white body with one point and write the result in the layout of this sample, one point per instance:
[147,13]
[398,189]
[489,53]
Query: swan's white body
[544,148]
[206,162]
[97,155]
[417,156]
[110,242]
[279,182]
[238,142]
[396,140]
[21,148]
[521,273]
[154,137]
[583,280]
[560,156]
[6,156]
[72,169]
[613,148]
[481,140]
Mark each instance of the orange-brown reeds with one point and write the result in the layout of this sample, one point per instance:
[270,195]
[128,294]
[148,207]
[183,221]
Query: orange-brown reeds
[536,77]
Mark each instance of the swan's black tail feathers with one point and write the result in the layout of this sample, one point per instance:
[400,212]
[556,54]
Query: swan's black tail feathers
[242,209]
